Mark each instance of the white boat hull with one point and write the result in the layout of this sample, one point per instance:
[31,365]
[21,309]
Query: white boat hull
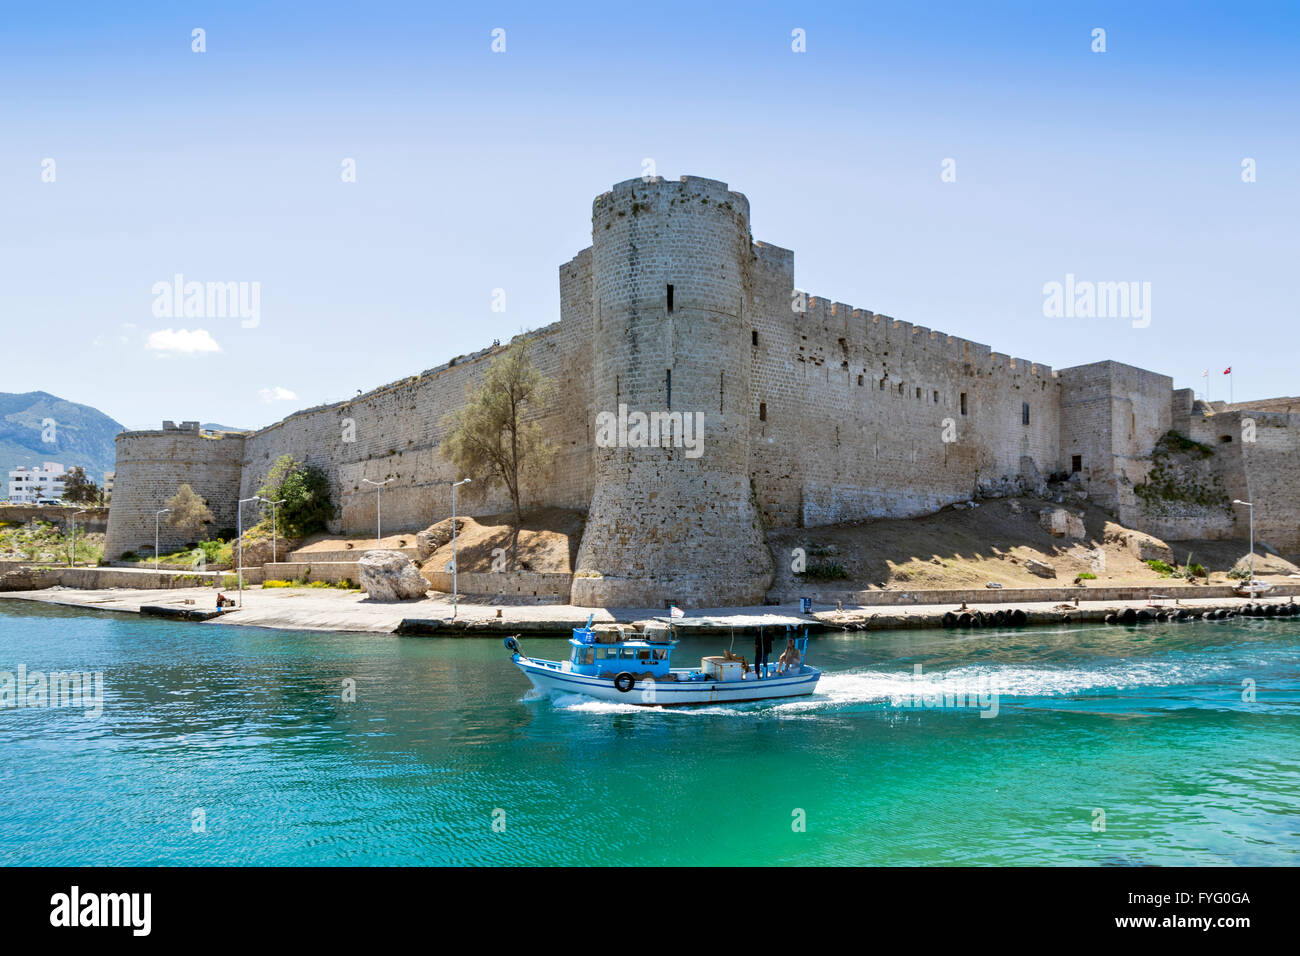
[550,677]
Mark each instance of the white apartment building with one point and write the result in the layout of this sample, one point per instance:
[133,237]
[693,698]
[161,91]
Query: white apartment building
[30,485]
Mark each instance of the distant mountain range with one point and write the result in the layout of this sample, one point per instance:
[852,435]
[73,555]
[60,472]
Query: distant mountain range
[79,435]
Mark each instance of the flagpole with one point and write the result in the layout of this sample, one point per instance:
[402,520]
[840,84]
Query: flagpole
[1229,384]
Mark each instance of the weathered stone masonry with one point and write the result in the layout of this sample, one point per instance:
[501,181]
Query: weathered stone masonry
[815,413]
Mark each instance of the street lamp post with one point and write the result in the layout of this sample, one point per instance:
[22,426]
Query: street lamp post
[156,518]
[379,492]
[1238,501]
[455,565]
[239,538]
[274,546]
[72,552]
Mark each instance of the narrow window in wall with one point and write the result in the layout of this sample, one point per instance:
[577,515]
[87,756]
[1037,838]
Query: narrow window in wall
[1024,413]
[936,397]
[722,389]
[963,403]
[668,386]
[918,394]
[670,299]
[1076,463]
[900,388]
[762,411]
[859,380]
[753,337]
[618,392]
[882,384]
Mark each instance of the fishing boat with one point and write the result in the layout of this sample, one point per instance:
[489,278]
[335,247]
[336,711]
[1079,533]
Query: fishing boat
[637,669]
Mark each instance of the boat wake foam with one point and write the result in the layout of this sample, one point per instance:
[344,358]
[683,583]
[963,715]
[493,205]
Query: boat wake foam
[900,688]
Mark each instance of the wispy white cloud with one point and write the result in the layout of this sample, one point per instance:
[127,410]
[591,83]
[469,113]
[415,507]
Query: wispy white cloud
[121,338]
[276,394]
[182,341]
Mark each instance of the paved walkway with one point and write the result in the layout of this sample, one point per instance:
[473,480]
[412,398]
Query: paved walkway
[332,610]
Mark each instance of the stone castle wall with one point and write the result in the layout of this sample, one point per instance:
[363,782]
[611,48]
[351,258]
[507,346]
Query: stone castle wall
[151,467]
[671,289]
[1112,415]
[813,415]
[395,432]
[859,415]
[1272,461]
[1254,456]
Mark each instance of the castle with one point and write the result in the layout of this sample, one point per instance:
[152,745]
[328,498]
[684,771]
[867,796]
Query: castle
[812,412]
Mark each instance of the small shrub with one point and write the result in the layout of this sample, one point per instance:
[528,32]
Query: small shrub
[1086,576]
[1162,568]
[276,583]
[215,552]
[305,490]
[826,571]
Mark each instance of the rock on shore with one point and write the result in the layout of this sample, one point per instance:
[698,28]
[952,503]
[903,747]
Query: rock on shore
[391,576]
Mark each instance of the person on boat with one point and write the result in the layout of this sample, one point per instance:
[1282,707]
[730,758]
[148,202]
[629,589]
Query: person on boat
[790,658]
[762,647]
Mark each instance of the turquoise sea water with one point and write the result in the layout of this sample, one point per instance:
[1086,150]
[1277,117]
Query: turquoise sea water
[249,726]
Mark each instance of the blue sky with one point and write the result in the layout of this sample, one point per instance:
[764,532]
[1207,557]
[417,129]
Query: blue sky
[476,171]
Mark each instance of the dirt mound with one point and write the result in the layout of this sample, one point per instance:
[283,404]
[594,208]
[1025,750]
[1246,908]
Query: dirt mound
[321,543]
[968,547]
[548,541]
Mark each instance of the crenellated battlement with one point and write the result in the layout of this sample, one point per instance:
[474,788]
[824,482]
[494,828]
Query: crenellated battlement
[632,191]
[879,332]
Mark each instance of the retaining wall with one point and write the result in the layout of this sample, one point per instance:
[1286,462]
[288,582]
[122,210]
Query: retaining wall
[1019,595]
[514,584]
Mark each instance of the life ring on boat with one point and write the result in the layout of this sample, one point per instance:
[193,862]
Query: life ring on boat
[624,682]
[512,645]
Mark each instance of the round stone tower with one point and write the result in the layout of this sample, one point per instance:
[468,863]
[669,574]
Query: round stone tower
[673,516]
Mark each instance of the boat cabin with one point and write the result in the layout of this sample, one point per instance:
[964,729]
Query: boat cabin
[639,656]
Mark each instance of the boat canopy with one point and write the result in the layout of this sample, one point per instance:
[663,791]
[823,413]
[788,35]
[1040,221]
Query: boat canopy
[635,657]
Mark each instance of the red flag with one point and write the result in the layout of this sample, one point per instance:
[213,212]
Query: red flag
[1228,370]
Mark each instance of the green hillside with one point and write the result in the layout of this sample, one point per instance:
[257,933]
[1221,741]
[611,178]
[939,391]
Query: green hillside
[81,435]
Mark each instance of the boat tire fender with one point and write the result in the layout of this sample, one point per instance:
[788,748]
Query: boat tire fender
[624,682]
